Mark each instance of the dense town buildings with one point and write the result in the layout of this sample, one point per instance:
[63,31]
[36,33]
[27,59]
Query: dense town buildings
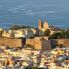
[24,33]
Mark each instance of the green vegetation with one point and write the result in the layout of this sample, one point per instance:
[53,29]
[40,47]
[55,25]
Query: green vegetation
[1,32]
[47,32]
[64,34]
[16,27]
[34,68]
[44,33]
[58,35]
[28,46]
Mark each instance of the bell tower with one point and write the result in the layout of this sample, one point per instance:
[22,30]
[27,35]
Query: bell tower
[46,25]
[40,24]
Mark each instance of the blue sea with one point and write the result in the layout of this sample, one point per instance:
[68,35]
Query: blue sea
[28,12]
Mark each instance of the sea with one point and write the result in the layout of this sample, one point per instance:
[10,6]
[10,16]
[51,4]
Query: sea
[28,12]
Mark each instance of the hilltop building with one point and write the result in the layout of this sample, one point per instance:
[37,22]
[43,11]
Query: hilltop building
[40,24]
[43,27]
[28,32]
[7,34]
[34,37]
[20,33]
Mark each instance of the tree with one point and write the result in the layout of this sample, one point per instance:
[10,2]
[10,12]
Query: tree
[14,27]
[57,35]
[47,32]
[28,46]
[65,33]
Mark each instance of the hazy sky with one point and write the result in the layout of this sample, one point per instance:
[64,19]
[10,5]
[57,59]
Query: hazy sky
[27,12]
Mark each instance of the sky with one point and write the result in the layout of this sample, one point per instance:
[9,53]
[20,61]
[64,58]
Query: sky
[28,12]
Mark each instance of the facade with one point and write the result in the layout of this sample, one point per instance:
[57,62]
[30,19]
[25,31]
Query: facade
[39,43]
[12,42]
[7,34]
[25,33]
[19,33]
[29,32]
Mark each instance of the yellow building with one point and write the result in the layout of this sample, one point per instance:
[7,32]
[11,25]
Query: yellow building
[26,33]
[19,33]
[7,34]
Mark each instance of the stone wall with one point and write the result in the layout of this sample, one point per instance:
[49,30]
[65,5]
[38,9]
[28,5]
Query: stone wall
[30,42]
[66,42]
[11,42]
[39,44]
[58,42]
[46,45]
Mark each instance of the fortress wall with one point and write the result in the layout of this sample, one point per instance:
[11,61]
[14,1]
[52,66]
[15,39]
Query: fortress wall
[11,42]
